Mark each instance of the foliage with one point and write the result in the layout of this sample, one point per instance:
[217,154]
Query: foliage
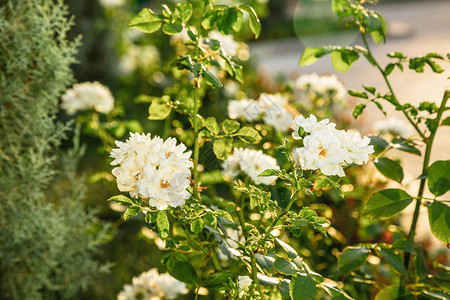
[307,234]
[46,249]
[387,203]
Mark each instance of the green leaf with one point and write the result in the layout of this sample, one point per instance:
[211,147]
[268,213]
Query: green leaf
[419,263]
[212,125]
[404,145]
[159,110]
[162,223]
[284,290]
[197,225]
[373,22]
[389,68]
[336,293]
[283,266]
[146,21]
[184,11]
[392,293]
[226,19]
[379,144]
[292,254]
[310,55]
[370,89]
[338,6]
[387,203]
[393,259]
[352,258]
[358,110]
[224,214]
[404,245]
[216,280]
[222,148]
[255,24]
[439,177]
[435,295]
[230,126]
[238,22]
[185,272]
[269,172]
[211,78]
[446,122]
[396,54]
[302,287]
[439,217]
[121,199]
[249,135]
[131,212]
[209,18]
[434,66]
[358,94]
[172,28]
[379,35]
[389,168]
[342,59]
[210,220]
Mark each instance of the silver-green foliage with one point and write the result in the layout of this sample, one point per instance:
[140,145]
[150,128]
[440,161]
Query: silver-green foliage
[45,249]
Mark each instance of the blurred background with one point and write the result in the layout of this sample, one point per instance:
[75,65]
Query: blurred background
[133,64]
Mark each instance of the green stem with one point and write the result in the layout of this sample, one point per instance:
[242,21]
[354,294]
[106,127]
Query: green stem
[426,161]
[215,260]
[196,99]
[240,213]
[371,59]
[167,126]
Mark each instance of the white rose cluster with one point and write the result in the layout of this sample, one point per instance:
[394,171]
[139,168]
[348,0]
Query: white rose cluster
[326,85]
[88,95]
[252,163]
[151,285]
[273,108]
[327,148]
[153,169]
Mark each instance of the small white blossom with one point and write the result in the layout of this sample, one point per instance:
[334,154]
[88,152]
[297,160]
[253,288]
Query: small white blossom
[247,109]
[358,149]
[151,285]
[393,126]
[275,111]
[154,169]
[323,86]
[88,95]
[252,163]
[309,125]
[243,284]
[329,149]
[112,3]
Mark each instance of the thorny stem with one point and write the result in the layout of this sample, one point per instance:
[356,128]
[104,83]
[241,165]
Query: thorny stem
[371,59]
[426,161]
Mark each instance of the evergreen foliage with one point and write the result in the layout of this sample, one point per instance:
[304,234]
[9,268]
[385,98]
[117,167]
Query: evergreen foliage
[46,250]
